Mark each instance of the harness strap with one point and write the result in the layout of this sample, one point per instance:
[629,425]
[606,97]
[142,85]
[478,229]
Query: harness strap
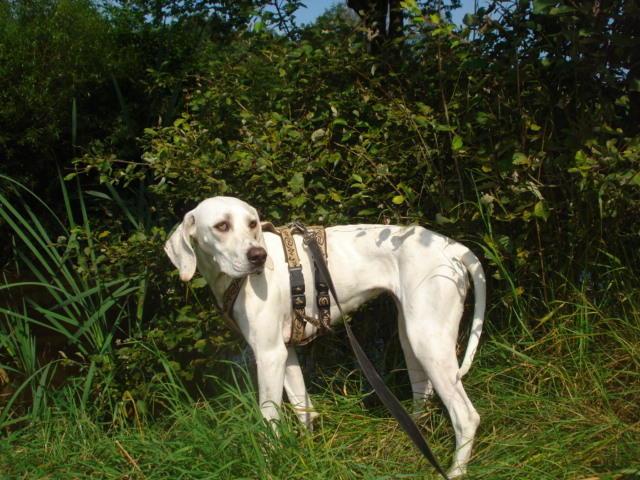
[228,299]
[298,298]
[323,301]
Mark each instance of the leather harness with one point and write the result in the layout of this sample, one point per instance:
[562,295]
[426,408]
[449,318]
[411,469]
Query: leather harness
[299,318]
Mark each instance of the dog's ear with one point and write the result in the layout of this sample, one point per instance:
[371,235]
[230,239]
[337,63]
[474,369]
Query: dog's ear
[179,249]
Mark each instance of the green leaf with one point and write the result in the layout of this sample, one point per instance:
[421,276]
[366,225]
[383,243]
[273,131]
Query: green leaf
[442,220]
[275,213]
[298,201]
[199,282]
[297,182]
[421,120]
[200,345]
[410,5]
[318,134]
[580,157]
[520,158]
[560,10]
[456,143]
[540,210]
[398,199]
[470,20]
[368,211]
[543,6]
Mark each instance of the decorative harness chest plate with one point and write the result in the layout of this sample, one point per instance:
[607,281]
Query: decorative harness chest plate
[299,318]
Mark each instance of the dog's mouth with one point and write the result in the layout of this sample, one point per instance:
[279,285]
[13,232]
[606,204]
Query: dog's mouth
[253,262]
[238,272]
[255,270]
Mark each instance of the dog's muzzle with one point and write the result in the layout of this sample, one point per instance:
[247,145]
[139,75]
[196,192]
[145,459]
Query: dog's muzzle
[257,257]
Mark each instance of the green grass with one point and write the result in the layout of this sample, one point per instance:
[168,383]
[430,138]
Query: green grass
[548,411]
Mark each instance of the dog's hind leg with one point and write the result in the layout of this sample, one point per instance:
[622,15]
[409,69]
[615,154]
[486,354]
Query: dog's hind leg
[431,320]
[421,386]
[297,391]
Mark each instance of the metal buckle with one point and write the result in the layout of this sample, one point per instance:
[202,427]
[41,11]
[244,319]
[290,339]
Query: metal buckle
[307,235]
[298,298]
[322,288]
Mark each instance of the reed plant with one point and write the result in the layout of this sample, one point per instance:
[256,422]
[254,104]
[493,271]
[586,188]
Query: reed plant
[54,288]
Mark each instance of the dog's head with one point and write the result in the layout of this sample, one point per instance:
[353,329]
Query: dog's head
[227,231]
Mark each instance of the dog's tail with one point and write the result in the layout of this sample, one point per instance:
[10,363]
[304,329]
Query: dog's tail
[474,267]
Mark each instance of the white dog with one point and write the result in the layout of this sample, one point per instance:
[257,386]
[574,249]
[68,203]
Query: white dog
[425,273]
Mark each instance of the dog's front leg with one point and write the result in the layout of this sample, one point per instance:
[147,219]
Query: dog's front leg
[259,314]
[296,390]
[270,363]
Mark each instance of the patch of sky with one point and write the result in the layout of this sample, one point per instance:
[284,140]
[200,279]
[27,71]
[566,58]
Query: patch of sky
[314,8]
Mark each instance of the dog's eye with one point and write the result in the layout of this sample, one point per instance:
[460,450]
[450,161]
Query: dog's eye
[253,224]
[222,226]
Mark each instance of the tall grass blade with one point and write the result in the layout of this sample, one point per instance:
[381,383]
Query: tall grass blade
[115,196]
[74,123]
[6,411]
[123,106]
[86,385]
[20,187]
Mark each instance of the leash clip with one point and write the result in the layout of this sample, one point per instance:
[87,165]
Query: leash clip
[307,236]
[297,224]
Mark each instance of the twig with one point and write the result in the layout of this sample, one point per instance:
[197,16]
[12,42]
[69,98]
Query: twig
[128,457]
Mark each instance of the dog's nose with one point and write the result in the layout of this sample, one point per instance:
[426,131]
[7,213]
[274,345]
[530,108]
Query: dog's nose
[257,256]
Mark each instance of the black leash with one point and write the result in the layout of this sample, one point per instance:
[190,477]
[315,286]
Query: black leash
[388,398]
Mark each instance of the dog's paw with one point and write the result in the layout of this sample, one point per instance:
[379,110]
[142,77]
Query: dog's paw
[309,420]
[456,472]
